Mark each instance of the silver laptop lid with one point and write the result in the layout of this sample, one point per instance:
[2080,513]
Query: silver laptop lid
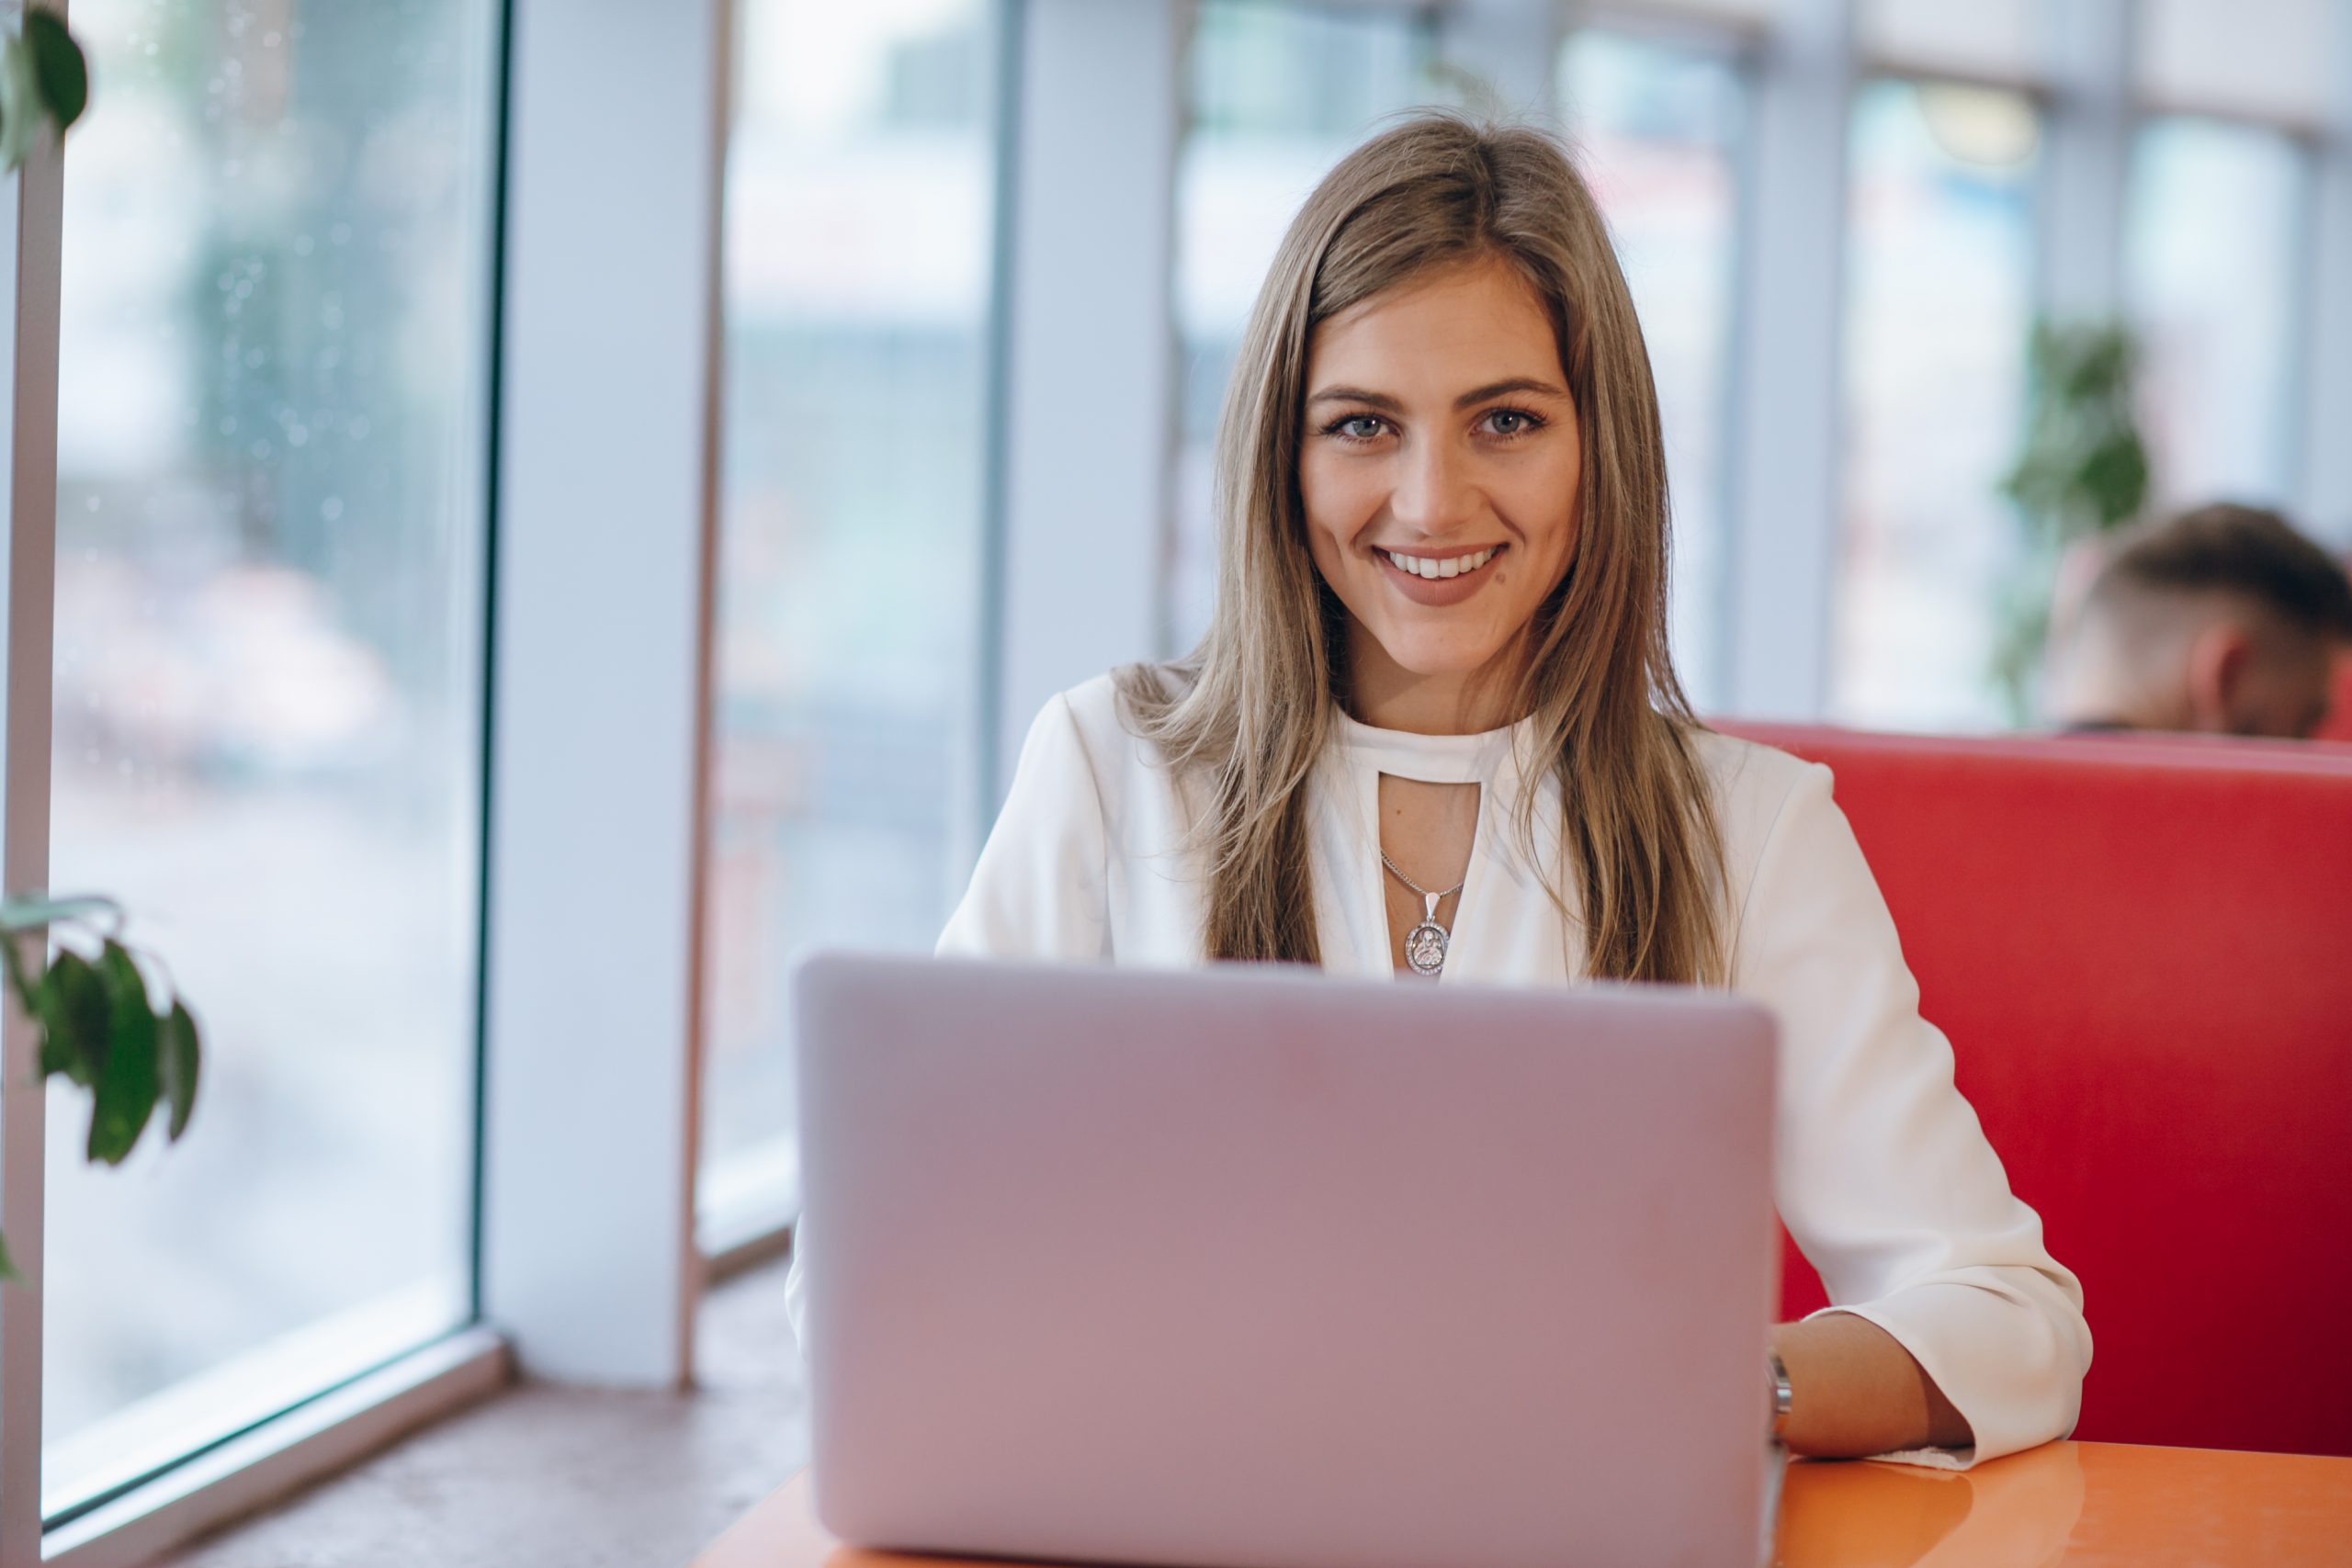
[1269,1269]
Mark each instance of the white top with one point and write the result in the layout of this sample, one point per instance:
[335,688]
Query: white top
[1884,1178]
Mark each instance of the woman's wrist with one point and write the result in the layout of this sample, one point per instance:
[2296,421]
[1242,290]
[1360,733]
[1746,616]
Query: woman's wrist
[1857,1391]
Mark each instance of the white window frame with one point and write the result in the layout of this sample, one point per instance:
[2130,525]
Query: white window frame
[598,672]
[34,208]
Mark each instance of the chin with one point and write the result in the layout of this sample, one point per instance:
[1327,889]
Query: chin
[1430,656]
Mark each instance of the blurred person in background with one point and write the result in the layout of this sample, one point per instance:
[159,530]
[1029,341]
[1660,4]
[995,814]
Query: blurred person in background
[2221,621]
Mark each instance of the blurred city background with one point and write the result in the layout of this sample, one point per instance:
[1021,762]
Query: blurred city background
[275,522]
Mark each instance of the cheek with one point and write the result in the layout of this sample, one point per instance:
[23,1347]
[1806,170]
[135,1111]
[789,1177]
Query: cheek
[1340,496]
[1544,503]
[1337,502]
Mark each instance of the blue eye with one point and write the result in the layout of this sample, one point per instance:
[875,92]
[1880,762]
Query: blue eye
[1512,422]
[1359,427]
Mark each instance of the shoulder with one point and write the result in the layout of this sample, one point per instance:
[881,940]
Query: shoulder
[1762,794]
[1098,711]
[1091,730]
[1754,784]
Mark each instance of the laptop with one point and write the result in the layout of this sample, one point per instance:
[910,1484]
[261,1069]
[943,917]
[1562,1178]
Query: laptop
[1251,1267]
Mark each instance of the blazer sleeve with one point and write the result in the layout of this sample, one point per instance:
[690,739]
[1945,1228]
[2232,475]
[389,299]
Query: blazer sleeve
[1039,891]
[1884,1177]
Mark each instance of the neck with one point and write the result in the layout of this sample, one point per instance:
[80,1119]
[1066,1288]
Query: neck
[1386,696]
[2104,699]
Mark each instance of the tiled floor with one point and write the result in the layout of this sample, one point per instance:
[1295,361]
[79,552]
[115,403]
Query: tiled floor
[562,1476]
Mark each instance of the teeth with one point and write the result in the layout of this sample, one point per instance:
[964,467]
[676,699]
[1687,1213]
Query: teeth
[1422,565]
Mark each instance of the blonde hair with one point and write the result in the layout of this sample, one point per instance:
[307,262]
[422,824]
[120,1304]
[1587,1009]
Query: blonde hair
[1243,718]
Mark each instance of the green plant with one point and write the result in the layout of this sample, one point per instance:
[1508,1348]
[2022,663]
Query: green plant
[99,1025]
[2081,470]
[44,81]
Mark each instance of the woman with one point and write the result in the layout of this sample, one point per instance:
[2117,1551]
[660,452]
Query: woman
[1434,732]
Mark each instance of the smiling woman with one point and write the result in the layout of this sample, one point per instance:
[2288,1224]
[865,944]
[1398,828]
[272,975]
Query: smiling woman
[1433,733]
[1391,391]
[1439,473]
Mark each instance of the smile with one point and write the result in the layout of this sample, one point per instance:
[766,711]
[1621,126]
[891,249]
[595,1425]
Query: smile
[1436,567]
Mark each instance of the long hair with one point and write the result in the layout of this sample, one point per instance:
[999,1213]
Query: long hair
[1243,718]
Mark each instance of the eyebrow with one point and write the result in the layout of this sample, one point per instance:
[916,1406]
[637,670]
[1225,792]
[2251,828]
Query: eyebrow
[1386,404]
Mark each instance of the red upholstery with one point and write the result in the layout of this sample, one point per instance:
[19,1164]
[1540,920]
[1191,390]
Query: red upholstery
[2338,724]
[2142,950]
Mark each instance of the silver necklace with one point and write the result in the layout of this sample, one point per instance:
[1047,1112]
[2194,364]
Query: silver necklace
[1425,944]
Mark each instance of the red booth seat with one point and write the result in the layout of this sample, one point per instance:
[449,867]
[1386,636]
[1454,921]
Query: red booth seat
[2142,951]
[2338,724]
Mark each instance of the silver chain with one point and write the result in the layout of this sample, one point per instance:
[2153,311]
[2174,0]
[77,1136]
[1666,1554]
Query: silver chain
[1417,887]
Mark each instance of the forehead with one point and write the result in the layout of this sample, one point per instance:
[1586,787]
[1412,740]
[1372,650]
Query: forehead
[1464,326]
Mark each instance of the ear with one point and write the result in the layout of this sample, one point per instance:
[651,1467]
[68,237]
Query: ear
[2219,657]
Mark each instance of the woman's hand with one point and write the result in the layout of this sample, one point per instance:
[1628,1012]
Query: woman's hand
[1854,1390]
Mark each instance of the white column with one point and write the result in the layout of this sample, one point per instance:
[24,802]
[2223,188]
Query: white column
[30,216]
[2324,498]
[2086,159]
[601,660]
[1089,351]
[1787,445]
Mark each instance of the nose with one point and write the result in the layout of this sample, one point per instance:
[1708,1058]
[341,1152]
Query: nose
[1434,492]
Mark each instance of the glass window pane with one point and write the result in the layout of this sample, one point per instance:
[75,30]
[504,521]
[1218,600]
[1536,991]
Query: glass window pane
[2213,255]
[1275,95]
[268,693]
[1938,293]
[857,242]
[1656,126]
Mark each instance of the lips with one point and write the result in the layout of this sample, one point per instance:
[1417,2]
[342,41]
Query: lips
[1437,566]
[1416,584]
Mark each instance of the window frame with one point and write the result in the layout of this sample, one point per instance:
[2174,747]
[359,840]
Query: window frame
[550,116]
[747,1202]
[1739,52]
[2305,367]
[2037,269]
[284,1440]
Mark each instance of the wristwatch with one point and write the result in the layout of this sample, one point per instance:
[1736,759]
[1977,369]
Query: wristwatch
[1781,1390]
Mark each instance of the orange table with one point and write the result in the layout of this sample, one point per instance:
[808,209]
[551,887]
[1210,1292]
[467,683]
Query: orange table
[2064,1505]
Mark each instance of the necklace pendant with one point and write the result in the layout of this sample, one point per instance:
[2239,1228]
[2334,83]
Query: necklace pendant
[1425,948]
[1425,943]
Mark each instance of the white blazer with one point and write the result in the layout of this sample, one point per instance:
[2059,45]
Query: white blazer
[1884,1178]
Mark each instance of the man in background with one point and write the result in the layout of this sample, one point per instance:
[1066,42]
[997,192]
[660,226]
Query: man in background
[2223,620]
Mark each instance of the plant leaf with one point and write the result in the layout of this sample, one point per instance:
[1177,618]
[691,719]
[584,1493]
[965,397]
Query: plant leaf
[26,989]
[128,1080]
[180,1052]
[29,911]
[59,68]
[20,106]
[70,1002]
[8,1265]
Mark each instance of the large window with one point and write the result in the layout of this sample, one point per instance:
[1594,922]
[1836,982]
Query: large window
[858,224]
[1938,306]
[2214,247]
[1275,95]
[1656,125]
[271,539]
